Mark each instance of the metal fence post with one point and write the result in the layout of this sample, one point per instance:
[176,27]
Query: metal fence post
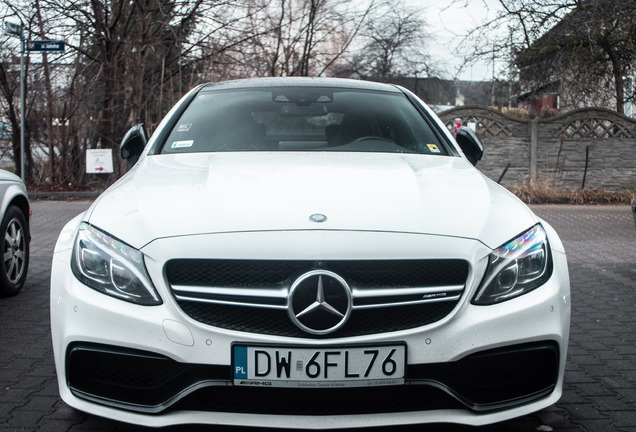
[534,143]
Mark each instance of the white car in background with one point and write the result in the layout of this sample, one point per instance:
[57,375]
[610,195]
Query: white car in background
[307,253]
[14,229]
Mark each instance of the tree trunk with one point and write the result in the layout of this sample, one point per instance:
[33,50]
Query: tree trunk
[49,98]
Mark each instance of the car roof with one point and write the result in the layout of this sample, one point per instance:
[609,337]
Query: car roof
[302,82]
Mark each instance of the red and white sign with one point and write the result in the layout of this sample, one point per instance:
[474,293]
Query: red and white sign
[99,161]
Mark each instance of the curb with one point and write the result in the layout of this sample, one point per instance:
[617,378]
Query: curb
[54,196]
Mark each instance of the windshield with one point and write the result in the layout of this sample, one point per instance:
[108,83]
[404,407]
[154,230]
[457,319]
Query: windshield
[302,119]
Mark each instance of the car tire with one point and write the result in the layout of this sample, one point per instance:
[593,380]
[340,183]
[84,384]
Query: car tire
[15,251]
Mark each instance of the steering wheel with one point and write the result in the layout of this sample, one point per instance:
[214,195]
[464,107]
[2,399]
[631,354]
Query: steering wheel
[373,137]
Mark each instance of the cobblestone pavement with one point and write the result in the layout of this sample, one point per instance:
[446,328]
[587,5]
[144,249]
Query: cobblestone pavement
[600,389]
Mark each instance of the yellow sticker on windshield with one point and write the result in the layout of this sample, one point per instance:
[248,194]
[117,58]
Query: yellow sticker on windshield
[433,148]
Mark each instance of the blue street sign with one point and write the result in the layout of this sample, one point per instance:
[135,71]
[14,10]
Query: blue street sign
[5,131]
[45,46]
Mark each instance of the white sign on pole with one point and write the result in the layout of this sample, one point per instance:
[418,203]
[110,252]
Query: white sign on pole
[11,29]
[99,161]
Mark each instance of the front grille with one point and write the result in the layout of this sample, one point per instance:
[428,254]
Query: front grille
[277,323]
[342,401]
[251,295]
[264,273]
[131,377]
[501,376]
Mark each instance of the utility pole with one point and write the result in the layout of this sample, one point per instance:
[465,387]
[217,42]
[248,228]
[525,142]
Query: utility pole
[492,96]
[22,104]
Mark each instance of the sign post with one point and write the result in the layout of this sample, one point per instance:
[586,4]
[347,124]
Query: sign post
[16,30]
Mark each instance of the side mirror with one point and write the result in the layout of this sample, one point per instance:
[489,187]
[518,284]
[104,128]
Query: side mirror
[470,144]
[133,144]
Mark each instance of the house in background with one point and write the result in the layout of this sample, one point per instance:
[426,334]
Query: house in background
[542,101]
[577,63]
[441,94]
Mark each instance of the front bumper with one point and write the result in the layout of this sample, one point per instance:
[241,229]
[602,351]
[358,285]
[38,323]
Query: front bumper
[156,366]
[148,383]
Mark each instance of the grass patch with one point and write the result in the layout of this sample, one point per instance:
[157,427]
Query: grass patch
[541,194]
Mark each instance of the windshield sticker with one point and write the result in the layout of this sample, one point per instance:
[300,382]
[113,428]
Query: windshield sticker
[185,127]
[182,144]
[433,148]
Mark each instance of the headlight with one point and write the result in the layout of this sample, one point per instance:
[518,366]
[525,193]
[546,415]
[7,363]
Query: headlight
[516,268]
[112,267]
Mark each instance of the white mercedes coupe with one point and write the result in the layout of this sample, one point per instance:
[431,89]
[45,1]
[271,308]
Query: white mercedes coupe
[307,253]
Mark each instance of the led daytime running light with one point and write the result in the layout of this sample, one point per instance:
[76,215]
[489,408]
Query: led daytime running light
[112,267]
[517,267]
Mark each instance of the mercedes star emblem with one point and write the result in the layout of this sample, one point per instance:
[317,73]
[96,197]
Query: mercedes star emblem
[319,302]
[318,218]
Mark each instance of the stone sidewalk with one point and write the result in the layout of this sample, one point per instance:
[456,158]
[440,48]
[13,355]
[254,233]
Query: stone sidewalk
[600,389]
[600,381]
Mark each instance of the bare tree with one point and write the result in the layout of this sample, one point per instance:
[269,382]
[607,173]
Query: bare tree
[20,11]
[578,42]
[296,37]
[9,91]
[122,55]
[393,44]
[514,25]
[591,45]
[127,61]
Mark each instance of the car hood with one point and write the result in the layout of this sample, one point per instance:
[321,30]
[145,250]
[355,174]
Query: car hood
[6,176]
[188,194]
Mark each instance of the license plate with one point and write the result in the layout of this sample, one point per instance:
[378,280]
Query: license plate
[319,367]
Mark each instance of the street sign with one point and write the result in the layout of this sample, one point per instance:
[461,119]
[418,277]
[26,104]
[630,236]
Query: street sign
[5,131]
[12,29]
[45,46]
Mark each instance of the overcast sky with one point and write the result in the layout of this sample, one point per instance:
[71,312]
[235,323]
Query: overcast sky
[449,24]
